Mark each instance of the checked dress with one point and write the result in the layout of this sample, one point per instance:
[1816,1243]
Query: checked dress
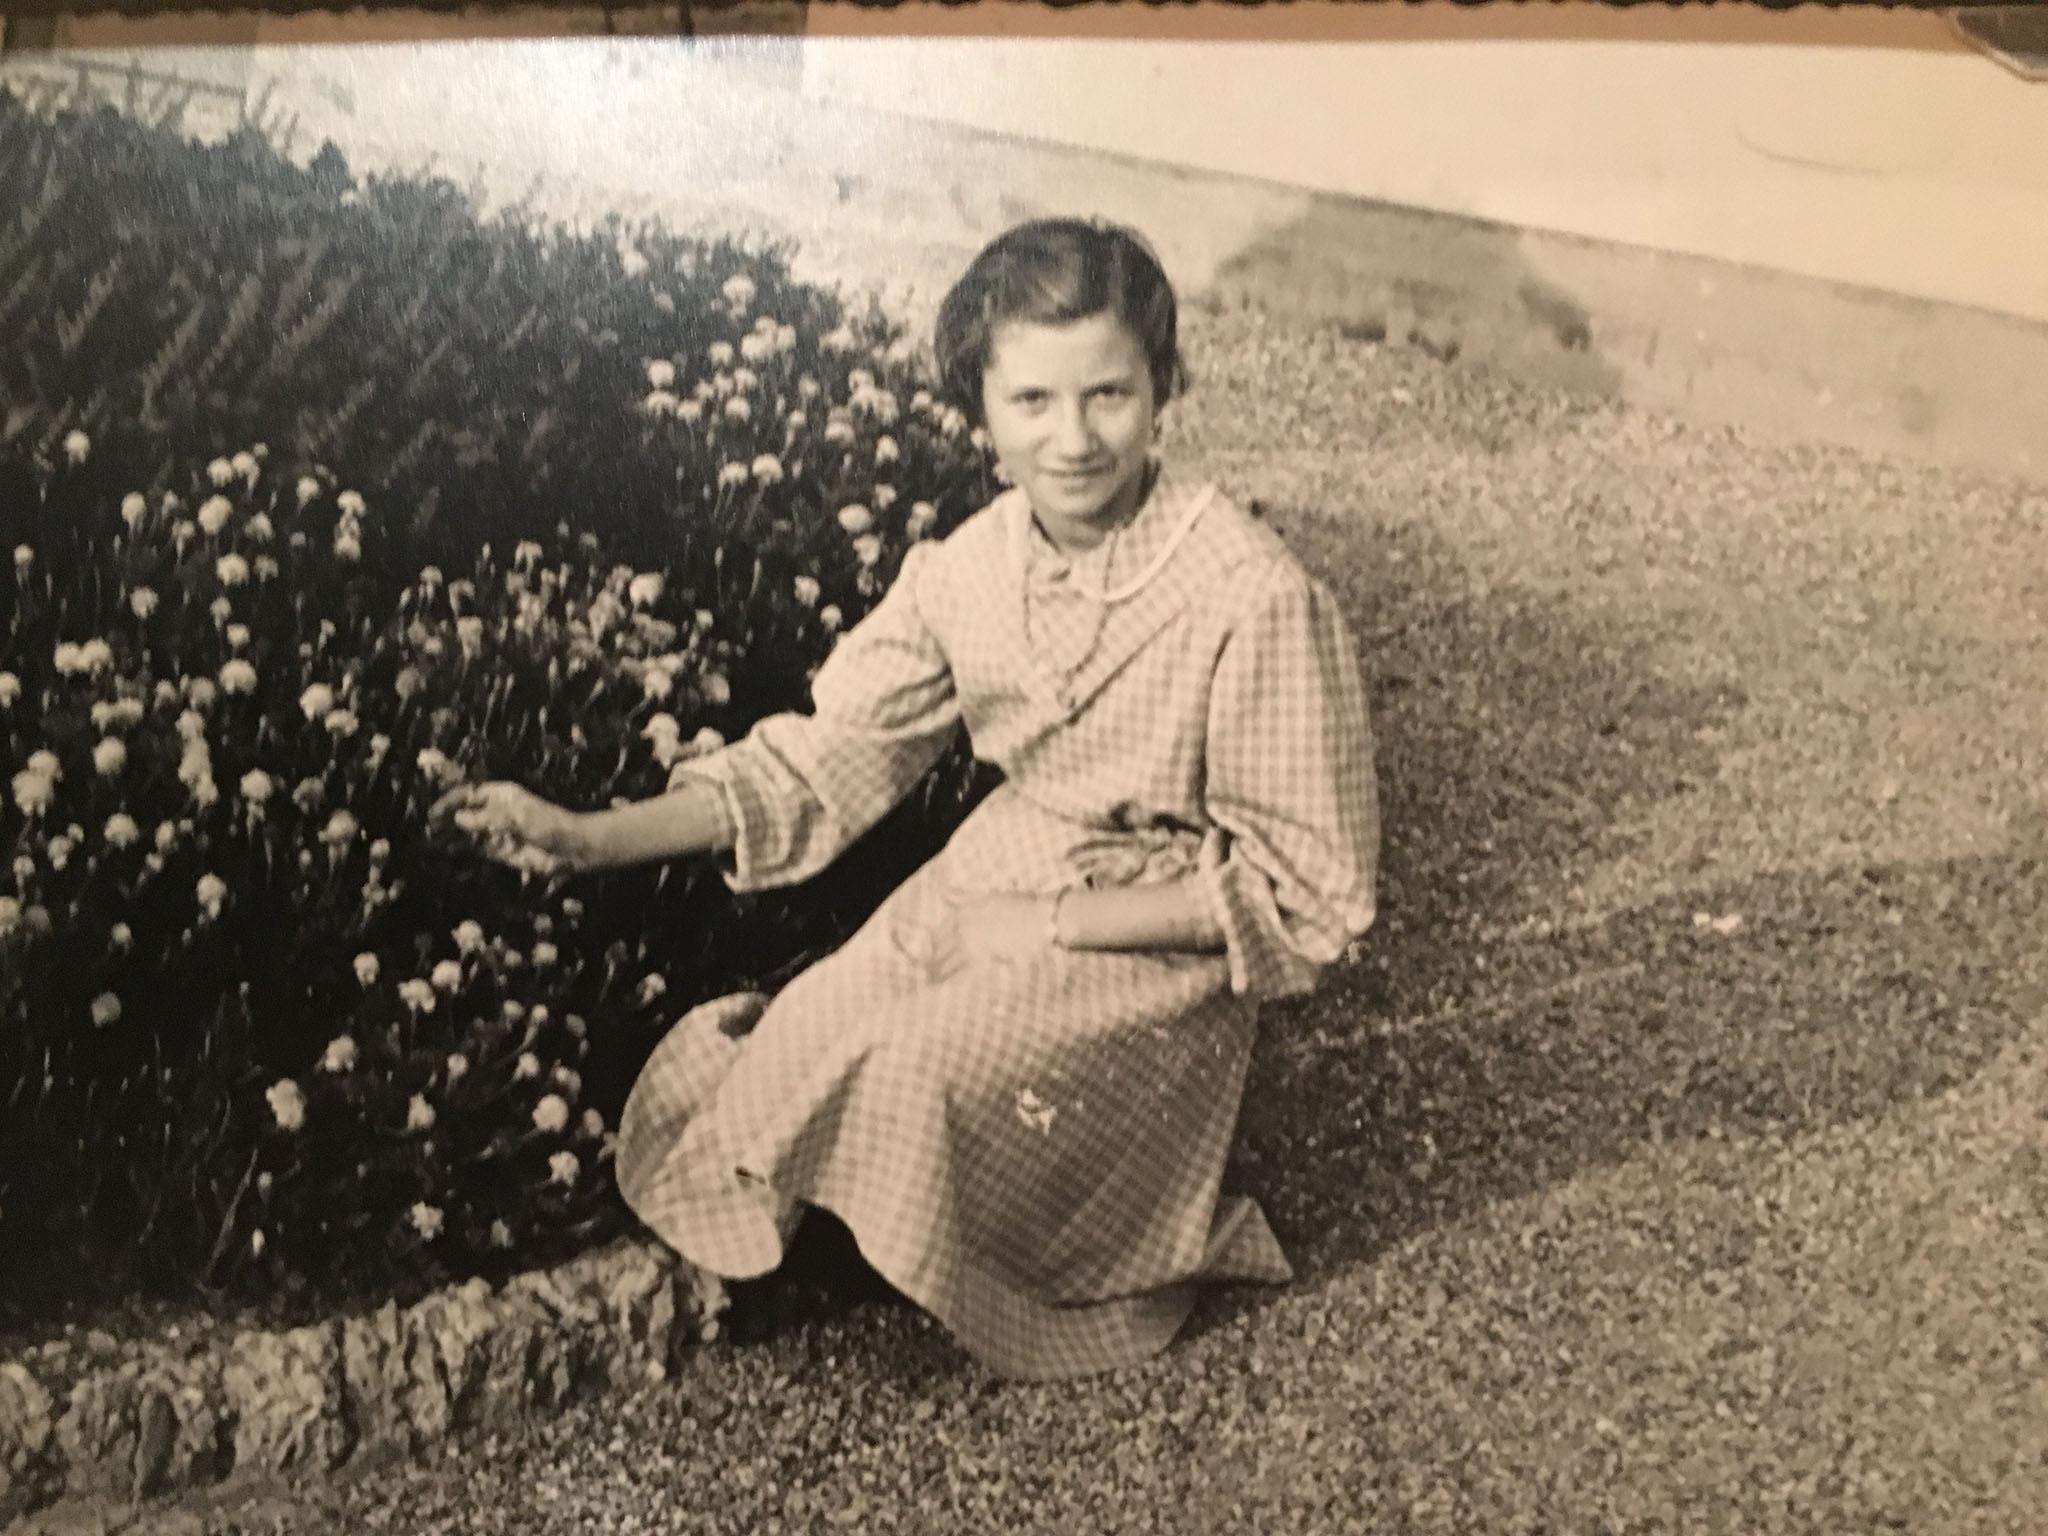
[1031,1150]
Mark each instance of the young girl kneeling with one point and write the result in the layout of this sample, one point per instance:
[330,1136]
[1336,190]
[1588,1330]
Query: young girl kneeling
[1018,1082]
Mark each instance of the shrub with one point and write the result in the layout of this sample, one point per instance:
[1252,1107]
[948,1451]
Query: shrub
[320,498]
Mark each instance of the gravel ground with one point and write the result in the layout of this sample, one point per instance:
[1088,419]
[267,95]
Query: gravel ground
[1675,1161]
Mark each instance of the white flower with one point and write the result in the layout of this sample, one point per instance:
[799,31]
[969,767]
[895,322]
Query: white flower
[732,473]
[267,568]
[808,387]
[755,347]
[840,339]
[340,723]
[785,338]
[166,836]
[551,1114]
[220,472]
[867,549]
[563,1168]
[316,701]
[340,1056]
[256,1239]
[76,446]
[501,1235]
[768,469]
[202,692]
[527,1066]
[259,528]
[458,1066]
[885,450]
[419,1114]
[738,409]
[287,1104]
[238,636]
[59,853]
[739,290]
[716,690]
[884,497]
[351,504]
[593,1123]
[632,262]
[923,516]
[856,519]
[347,547]
[121,936]
[245,465]
[341,830]
[232,570]
[44,762]
[831,617]
[10,915]
[657,682]
[106,1009]
[544,954]
[426,1220]
[569,1080]
[690,410]
[720,353]
[110,756]
[659,402]
[214,513]
[68,658]
[33,793]
[121,831]
[744,380]
[211,891]
[446,975]
[644,590]
[661,373]
[417,995]
[435,764]
[661,727]
[469,936]
[367,967]
[308,490]
[651,987]
[134,508]
[238,676]
[807,590]
[10,689]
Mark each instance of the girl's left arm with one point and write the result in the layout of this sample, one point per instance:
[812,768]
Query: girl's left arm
[1291,786]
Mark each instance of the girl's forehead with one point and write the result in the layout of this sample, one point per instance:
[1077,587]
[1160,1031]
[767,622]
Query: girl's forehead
[1101,340]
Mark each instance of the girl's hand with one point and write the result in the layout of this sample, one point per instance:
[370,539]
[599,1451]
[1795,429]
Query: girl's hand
[515,827]
[1004,929]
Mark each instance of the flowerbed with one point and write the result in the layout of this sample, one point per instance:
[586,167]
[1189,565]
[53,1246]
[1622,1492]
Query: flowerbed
[321,497]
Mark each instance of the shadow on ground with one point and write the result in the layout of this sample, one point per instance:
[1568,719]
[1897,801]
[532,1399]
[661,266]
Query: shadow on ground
[1473,1056]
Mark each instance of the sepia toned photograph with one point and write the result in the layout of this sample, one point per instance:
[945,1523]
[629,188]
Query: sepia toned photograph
[955,769]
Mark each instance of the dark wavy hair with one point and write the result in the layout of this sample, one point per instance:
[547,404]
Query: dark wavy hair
[1054,272]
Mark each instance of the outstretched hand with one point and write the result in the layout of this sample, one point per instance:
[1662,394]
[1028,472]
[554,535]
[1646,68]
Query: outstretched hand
[513,826]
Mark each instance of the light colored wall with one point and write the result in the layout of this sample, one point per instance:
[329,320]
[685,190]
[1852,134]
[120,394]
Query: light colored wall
[1874,149]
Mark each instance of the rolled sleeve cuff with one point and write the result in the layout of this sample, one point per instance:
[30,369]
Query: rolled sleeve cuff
[1263,961]
[752,862]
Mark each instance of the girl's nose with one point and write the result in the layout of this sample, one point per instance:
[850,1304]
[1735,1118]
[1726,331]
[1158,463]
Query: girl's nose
[1074,435]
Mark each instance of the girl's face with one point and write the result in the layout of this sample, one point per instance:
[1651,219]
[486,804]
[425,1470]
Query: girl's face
[1070,409]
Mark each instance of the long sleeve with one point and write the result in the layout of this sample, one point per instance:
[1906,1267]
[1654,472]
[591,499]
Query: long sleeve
[1290,782]
[801,787]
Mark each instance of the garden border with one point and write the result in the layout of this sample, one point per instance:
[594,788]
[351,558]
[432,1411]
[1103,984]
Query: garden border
[152,1417]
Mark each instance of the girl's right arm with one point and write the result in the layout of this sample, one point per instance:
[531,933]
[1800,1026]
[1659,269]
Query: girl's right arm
[521,829]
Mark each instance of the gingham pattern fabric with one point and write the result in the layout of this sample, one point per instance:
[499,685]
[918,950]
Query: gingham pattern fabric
[1031,1150]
